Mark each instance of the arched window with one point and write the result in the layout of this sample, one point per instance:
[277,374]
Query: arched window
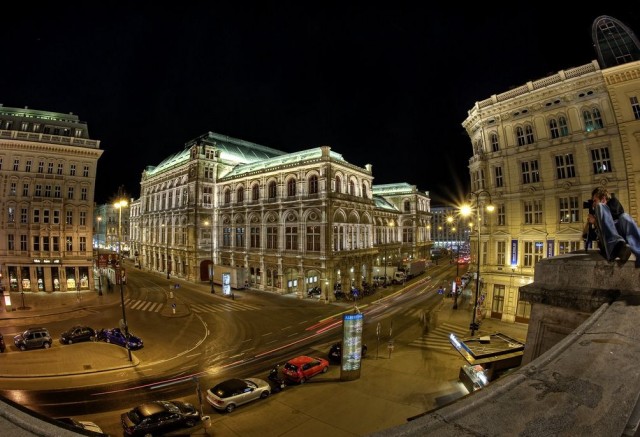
[240,195]
[291,187]
[553,128]
[313,184]
[529,134]
[563,125]
[255,193]
[520,136]
[364,190]
[495,144]
[592,119]
[227,196]
[407,206]
[272,190]
[352,188]
[338,184]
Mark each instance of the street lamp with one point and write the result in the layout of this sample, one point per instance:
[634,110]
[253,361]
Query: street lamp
[121,204]
[206,223]
[450,220]
[465,210]
[99,218]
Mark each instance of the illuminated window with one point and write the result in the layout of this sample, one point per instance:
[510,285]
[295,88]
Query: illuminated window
[530,173]
[569,209]
[601,160]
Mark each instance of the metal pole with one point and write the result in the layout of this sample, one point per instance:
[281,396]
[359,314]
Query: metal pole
[475,304]
[455,295]
[124,315]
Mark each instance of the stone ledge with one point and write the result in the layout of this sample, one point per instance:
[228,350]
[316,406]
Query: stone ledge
[587,384]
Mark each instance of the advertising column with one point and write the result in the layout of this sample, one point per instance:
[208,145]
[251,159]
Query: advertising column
[351,346]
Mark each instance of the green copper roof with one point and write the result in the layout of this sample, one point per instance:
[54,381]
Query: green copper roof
[289,158]
[232,151]
[381,202]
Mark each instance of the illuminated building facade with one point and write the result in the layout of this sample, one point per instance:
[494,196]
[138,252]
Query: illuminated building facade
[289,221]
[539,150]
[48,163]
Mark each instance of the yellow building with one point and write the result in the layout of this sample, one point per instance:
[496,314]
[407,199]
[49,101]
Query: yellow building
[48,164]
[538,152]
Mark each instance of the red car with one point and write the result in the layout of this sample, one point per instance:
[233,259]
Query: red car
[301,368]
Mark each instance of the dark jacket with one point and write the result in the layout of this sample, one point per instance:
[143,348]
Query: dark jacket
[615,207]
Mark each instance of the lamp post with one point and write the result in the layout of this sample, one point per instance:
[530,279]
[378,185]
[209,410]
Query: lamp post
[99,218]
[121,204]
[206,223]
[450,220]
[466,210]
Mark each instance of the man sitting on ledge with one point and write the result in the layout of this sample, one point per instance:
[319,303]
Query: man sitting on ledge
[618,232]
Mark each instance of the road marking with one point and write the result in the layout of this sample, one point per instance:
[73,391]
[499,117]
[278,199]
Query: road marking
[438,338]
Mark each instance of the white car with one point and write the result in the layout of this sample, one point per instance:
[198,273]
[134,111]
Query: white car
[82,424]
[227,395]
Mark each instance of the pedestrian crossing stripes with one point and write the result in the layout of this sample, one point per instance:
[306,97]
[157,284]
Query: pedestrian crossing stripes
[155,307]
[438,338]
[222,307]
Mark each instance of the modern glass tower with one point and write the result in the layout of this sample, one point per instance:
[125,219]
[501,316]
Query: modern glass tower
[615,43]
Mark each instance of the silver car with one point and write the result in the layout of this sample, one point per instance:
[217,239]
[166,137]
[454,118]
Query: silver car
[33,338]
[227,395]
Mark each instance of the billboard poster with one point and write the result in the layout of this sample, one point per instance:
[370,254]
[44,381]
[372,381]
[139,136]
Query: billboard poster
[352,325]
[514,252]
[226,284]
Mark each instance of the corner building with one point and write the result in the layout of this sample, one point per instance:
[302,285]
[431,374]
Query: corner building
[48,167]
[539,150]
[288,221]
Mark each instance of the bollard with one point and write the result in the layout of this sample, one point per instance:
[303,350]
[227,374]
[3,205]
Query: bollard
[171,295]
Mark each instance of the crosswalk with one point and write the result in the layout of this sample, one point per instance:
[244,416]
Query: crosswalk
[156,307]
[438,338]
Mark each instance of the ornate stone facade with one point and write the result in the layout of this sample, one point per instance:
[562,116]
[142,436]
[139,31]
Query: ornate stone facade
[539,150]
[289,221]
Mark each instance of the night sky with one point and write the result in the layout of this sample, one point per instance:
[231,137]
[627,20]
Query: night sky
[388,86]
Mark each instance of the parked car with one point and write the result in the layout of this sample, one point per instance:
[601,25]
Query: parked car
[302,368]
[82,424]
[335,352]
[33,338]
[116,336]
[77,334]
[2,345]
[227,395]
[158,418]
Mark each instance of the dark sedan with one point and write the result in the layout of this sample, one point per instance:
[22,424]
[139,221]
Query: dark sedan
[77,334]
[116,336]
[159,417]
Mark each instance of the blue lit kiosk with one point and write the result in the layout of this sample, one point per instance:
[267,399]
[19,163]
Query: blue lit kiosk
[351,360]
[488,357]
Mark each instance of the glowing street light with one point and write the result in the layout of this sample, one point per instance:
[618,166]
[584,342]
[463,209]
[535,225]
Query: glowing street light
[122,204]
[466,210]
